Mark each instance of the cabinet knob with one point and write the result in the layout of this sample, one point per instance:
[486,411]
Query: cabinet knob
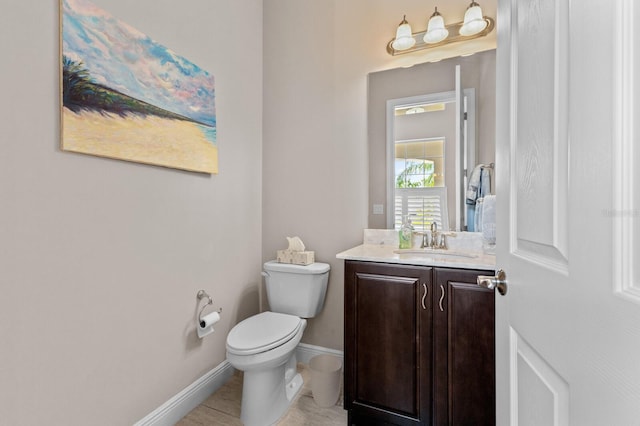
[499,281]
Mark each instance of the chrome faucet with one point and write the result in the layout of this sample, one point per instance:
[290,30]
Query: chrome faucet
[438,239]
[425,240]
[434,235]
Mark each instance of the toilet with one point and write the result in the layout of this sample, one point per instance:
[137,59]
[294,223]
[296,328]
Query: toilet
[263,346]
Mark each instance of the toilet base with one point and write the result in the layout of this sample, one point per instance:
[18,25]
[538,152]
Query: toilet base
[293,387]
[266,395]
[271,381]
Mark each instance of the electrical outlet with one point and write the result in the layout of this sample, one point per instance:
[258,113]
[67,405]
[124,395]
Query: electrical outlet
[378,209]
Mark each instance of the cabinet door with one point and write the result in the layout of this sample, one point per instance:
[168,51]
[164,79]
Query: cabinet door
[464,349]
[387,343]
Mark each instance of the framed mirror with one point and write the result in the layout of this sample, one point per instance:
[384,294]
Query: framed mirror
[394,92]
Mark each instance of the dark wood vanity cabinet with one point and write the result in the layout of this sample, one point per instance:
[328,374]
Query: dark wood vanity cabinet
[464,349]
[419,346]
[388,343]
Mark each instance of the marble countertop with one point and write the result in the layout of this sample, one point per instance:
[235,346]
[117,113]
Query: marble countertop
[465,252]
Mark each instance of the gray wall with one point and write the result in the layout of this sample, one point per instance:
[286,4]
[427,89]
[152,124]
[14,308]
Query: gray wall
[313,173]
[101,259]
[477,71]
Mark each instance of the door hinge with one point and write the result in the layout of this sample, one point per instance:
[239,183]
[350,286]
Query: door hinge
[465,115]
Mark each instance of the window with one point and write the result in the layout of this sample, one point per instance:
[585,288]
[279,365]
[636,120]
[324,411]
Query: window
[430,141]
[420,189]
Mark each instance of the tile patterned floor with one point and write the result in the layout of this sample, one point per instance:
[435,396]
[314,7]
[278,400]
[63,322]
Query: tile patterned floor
[223,407]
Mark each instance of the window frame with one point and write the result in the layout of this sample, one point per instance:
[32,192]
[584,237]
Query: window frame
[465,153]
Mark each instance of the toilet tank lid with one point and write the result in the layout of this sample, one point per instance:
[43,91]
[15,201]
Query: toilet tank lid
[314,268]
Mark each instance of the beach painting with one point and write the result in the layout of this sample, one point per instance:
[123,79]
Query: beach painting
[127,97]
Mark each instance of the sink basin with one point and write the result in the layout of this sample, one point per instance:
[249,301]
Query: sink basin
[428,252]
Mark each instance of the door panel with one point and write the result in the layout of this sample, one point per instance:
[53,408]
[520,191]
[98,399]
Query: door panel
[539,183]
[567,213]
[541,394]
[626,209]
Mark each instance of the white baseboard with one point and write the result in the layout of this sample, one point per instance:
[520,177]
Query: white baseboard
[189,398]
[305,352]
[196,393]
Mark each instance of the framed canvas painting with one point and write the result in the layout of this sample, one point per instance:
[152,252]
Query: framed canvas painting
[127,97]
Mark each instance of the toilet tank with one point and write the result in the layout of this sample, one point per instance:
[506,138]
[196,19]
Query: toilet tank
[296,289]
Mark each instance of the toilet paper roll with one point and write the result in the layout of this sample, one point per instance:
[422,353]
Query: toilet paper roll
[209,320]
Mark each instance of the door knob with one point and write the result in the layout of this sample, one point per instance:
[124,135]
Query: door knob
[499,281]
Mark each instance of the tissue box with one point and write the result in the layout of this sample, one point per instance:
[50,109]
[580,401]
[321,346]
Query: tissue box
[285,256]
[296,257]
[303,257]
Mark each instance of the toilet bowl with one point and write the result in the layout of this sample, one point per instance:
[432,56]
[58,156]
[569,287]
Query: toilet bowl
[263,346]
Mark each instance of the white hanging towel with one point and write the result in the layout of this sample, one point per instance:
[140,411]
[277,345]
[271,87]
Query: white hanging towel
[477,220]
[489,219]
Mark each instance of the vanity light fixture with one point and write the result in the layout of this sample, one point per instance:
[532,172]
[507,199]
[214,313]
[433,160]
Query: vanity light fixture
[415,110]
[438,34]
[419,108]
[404,39]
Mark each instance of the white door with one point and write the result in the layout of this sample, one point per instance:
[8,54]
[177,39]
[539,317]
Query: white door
[568,185]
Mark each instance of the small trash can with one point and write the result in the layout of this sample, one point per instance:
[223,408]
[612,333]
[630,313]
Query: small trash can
[326,374]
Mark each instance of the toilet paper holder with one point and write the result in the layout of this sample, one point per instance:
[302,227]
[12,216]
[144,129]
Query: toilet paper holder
[201,295]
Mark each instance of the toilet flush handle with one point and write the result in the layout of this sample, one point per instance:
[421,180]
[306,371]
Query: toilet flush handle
[265,274]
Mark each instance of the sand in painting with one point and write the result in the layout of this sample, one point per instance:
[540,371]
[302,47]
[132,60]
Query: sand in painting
[146,139]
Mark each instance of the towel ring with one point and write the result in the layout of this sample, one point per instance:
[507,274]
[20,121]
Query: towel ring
[201,295]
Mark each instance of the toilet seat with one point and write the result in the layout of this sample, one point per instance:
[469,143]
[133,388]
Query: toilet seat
[262,332]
